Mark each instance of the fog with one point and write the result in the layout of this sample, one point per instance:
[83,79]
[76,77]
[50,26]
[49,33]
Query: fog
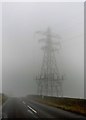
[21,53]
[0,48]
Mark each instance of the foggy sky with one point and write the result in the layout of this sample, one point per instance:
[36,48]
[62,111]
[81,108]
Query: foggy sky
[0,47]
[22,56]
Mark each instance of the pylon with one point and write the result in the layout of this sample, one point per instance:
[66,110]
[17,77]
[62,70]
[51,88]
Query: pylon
[49,81]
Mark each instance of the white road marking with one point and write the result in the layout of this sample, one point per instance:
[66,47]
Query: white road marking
[23,102]
[32,109]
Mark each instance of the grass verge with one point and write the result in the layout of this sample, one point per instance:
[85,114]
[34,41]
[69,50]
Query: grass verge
[70,104]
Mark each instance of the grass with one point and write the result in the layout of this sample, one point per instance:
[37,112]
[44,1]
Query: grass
[0,99]
[69,104]
[3,98]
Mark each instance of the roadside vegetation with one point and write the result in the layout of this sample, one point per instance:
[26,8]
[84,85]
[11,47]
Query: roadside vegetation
[3,98]
[69,104]
[0,98]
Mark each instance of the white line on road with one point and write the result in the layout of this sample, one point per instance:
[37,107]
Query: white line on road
[23,102]
[32,109]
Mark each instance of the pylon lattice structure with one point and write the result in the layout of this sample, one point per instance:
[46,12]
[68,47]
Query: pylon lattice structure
[49,80]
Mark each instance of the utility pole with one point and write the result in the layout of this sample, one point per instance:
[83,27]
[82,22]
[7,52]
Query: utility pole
[49,81]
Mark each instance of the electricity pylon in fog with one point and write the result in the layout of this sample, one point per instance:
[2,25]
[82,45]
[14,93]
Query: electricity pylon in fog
[49,82]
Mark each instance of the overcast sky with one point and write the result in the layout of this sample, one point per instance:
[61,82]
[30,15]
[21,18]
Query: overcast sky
[0,47]
[22,56]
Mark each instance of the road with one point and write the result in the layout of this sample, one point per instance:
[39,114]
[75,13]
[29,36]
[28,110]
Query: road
[27,108]
[0,112]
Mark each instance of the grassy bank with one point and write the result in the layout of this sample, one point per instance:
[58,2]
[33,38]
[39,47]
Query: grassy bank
[3,98]
[0,99]
[69,104]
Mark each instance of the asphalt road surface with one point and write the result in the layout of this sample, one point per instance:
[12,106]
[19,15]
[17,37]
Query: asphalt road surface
[27,108]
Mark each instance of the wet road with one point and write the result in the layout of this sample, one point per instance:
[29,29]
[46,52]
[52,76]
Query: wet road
[27,108]
[0,112]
